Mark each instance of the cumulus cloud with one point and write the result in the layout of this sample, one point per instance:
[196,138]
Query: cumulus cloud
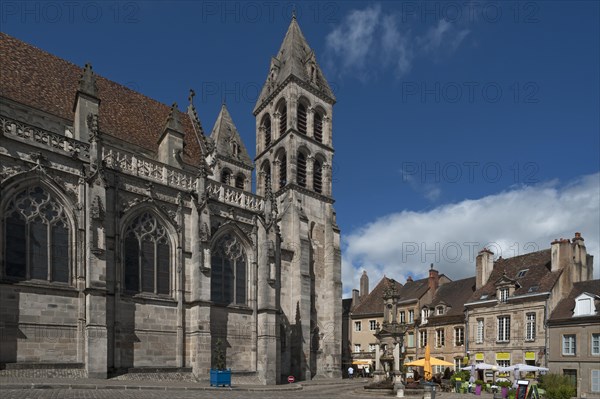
[510,223]
[368,40]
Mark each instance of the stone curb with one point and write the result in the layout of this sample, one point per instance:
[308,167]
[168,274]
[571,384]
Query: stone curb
[297,387]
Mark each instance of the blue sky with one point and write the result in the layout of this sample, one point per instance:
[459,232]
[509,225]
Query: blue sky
[458,125]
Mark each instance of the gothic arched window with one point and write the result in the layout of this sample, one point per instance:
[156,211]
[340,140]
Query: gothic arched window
[36,237]
[282,170]
[318,176]
[282,118]
[228,271]
[239,182]
[301,169]
[267,128]
[147,256]
[318,127]
[225,176]
[301,114]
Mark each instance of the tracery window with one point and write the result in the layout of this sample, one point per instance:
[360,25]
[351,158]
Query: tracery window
[228,275]
[36,237]
[147,256]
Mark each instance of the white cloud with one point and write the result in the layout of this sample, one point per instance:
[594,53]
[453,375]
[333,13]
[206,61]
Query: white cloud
[510,223]
[351,41]
[369,40]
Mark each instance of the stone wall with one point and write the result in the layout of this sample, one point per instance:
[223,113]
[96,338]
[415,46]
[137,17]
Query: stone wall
[38,325]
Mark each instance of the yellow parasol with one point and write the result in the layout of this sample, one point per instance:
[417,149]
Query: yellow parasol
[427,362]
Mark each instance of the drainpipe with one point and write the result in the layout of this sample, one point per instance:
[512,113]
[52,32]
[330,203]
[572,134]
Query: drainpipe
[467,333]
[546,333]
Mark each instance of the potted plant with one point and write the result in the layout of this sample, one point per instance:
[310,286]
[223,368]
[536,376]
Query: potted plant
[478,385]
[219,374]
[504,386]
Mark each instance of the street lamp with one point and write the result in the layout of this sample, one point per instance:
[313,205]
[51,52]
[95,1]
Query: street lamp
[494,369]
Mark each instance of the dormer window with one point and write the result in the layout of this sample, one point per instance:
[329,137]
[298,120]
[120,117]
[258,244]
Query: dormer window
[439,310]
[522,273]
[503,295]
[424,315]
[584,305]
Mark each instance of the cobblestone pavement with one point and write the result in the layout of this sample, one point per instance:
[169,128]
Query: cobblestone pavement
[349,390]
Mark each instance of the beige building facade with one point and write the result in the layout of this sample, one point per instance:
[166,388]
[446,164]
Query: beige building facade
[574,338]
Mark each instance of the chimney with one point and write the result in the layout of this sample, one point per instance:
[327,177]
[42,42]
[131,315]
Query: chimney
[409,279]
[364,284]
[582,260]
[434,279]
[561,253]
[170,144]
[354,297]
[484,264]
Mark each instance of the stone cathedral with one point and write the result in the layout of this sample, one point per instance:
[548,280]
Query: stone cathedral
[130,237]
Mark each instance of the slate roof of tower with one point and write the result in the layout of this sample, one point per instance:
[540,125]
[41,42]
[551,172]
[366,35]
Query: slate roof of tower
[564,309]
[538,274]
[35,78]
[222,134]
[373,302]
[291,60]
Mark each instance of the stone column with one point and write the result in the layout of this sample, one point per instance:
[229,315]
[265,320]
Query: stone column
[310,114]
[327,131]
[310,163]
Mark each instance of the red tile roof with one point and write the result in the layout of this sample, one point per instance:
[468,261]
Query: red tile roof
[33,77]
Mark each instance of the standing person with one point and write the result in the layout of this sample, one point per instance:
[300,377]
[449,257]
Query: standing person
[350,372]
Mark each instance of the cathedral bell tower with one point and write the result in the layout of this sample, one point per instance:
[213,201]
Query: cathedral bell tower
[294,150]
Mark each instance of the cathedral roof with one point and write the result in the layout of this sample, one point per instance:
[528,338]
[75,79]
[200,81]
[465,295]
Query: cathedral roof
[43,81]
[224,133]
[295,58]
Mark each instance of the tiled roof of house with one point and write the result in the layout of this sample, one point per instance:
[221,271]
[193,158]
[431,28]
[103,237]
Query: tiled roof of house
[453,295]
[538,277]
[33,77]
[414,289]
[564,309]
[373,302]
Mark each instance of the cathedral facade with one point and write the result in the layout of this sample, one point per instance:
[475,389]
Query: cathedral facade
[131,238]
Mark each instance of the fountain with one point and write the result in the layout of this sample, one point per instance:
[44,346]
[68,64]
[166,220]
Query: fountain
[390,336]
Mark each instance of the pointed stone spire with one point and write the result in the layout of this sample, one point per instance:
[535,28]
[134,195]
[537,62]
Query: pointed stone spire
[227,140]
[170,143]
[295,58]
[173,121]
[87,81]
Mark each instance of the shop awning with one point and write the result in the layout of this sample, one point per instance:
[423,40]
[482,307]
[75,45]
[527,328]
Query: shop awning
[361,361]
